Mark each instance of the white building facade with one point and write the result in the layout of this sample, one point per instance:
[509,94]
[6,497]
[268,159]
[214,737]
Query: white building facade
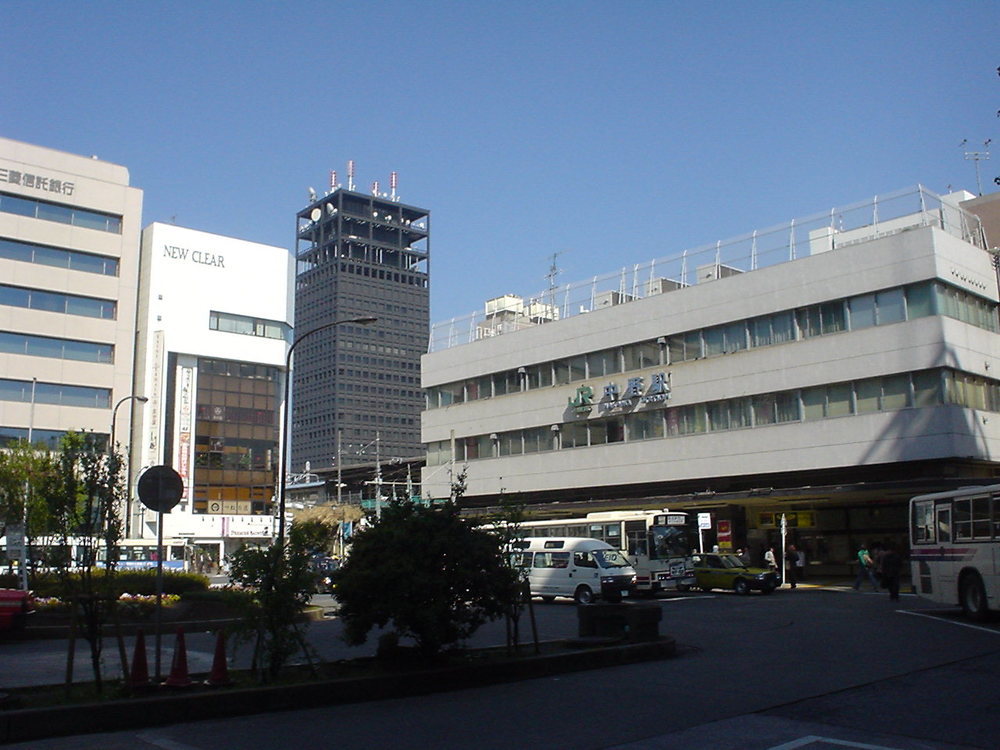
[69,240]
[214,329]
[826,370]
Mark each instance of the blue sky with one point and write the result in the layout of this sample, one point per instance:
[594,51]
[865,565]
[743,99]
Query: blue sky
[611,132]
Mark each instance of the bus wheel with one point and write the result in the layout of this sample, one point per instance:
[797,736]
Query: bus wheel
[972,596]
[583,595]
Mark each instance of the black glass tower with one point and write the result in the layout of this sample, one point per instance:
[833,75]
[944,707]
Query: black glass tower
[359,255]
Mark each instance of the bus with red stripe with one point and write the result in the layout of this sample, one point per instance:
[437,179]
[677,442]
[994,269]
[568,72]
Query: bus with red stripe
[955,548]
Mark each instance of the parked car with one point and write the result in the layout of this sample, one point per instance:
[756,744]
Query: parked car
[15,606]
[726,571]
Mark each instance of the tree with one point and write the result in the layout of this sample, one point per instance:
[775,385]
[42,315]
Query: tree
[281,581]
[28,477]
[432,575]
[86,505]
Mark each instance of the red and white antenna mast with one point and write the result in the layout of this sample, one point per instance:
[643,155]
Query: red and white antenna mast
[392,185]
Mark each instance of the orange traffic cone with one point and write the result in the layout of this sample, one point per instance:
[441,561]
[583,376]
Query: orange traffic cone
[139,674]
[179,667]
[219,676]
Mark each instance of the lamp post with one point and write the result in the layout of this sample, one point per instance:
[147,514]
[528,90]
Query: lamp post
[128,465]
[283,467]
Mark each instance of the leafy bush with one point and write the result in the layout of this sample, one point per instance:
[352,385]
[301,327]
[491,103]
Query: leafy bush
[426,571]
[140,582]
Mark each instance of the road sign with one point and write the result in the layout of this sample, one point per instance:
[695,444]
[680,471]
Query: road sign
[704,520]
[15,540]
[160,488]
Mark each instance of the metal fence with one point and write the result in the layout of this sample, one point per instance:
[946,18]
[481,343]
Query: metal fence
[825,232]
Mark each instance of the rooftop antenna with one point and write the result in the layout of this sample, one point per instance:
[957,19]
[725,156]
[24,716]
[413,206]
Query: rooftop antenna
[977,156]
[375,188]
[392,186]
[551,276]
[350,174]
[333,180]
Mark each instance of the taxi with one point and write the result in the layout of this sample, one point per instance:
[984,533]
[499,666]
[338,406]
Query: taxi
[719,570]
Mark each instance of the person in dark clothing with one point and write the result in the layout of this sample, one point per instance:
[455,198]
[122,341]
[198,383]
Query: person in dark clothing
[892,568]
[792,564]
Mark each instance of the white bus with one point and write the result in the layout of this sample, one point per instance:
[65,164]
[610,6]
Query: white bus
[656,542]
[955,548]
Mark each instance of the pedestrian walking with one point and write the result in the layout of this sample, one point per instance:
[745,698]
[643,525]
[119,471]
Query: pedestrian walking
[866,567]
[771,559]
[792,564]
[892,568]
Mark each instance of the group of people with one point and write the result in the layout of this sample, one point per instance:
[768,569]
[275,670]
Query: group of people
[795,563]
[882,565]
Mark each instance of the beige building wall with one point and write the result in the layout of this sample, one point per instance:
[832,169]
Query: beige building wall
[48,200]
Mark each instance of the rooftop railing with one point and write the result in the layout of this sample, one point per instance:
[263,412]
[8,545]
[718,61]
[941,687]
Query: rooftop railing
[825,232]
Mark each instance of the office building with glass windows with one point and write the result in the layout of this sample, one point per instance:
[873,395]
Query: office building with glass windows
[826,370]
[356,388]
[214,328]
[69,239]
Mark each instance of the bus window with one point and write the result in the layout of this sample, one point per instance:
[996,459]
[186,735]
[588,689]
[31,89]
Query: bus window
[923,522]
[944,523]
[667,542]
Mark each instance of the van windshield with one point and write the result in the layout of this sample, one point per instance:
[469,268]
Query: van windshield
[610,558]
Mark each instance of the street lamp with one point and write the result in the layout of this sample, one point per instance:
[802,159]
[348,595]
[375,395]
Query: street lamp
[364,320]
[128,465]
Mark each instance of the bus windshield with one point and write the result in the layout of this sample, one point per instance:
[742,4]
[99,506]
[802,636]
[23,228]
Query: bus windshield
[668,541]
[610,558]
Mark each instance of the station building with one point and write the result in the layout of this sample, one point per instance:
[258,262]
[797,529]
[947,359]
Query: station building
[825,370]
[214,329]
[69,265]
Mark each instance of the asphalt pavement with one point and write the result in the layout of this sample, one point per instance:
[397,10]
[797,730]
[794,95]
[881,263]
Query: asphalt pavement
[819,668]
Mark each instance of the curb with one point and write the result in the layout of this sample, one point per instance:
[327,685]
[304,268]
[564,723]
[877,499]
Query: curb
[20,725]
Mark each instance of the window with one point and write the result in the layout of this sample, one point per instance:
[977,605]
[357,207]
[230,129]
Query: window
[51,256]
[603,363]
[37,299]
[891,306]
[573,435]
[641,356]
[43,346]
[59,213]
[229,323]
[923,522]
[552,559]
[862,311]
[644,425]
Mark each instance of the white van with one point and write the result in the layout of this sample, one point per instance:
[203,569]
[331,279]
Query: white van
[585,569]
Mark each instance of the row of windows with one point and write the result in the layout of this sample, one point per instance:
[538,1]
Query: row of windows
[891,392]
[972,518]
[69,304]
[236,369]
[78,217]
[45,346]
[247,326]
[383,275]
[851,314]
[57,257]
[55,393]
[49,439]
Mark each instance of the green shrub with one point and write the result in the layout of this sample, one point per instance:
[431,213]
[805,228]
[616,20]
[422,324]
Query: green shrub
[140,582]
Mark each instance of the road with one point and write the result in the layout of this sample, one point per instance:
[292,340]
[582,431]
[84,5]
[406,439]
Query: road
[811,668]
